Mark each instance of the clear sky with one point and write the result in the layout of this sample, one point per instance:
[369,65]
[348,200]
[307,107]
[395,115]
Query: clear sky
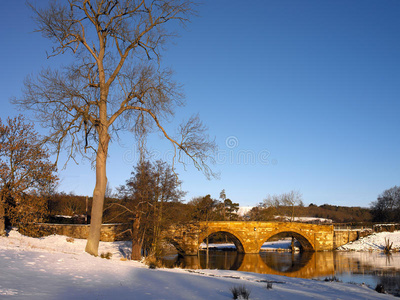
[299,95]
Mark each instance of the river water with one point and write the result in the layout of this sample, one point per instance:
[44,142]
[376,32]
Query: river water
[371,268]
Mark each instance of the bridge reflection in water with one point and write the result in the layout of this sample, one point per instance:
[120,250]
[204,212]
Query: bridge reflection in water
[371,268]
[302,265]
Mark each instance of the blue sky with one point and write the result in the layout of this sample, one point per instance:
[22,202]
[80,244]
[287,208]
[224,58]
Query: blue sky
[299,95]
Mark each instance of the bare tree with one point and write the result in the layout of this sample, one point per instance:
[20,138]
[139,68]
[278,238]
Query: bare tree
[291,200]
[25,173]
[283,204]
[114,83]
[144,201]
[271,207]
[387,206]
[109,191]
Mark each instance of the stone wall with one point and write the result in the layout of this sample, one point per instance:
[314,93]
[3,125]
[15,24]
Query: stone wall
[109,232]
[342,237]
[386,227]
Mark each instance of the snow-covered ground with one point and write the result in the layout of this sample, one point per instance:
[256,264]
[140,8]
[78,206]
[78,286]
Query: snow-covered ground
[374,242]
[304,219]
[244,210]
[53,268]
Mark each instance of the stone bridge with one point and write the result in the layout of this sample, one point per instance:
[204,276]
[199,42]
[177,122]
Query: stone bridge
[248,237]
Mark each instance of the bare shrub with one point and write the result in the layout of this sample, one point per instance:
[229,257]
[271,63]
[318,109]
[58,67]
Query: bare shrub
[106,255]
[240,292]
[388,246]
[380,288]
[153,263]
[334,278]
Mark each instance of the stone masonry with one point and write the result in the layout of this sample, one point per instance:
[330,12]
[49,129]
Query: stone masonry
[248,237]
[109,232]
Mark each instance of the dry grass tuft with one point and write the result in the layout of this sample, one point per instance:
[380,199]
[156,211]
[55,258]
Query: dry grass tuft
[106,255]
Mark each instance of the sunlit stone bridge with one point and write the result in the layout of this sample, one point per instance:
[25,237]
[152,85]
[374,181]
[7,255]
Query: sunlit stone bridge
[248,237]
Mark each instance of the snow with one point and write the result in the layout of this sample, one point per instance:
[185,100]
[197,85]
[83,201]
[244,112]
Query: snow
[53,268]
[304,219]
[244,210]
[63,216]
[284,244]
[374,242]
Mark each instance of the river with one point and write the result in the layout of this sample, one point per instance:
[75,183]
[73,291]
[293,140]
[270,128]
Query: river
[371,268]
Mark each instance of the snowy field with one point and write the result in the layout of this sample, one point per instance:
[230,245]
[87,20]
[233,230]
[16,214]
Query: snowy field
[53,268]
[374,242]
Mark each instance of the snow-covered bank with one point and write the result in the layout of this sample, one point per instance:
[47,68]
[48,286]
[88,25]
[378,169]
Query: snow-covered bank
[374,242]
[52,268]
[281,245]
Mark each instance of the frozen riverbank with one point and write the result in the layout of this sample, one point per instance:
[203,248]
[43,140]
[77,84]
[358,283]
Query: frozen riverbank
[374,242]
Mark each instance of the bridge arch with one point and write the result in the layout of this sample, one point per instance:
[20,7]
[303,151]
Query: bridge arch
[233,236]
[248,237]
[178,247]
[304,241]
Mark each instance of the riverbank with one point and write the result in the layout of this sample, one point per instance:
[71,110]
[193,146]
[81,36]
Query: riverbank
[374,242]
[56,267]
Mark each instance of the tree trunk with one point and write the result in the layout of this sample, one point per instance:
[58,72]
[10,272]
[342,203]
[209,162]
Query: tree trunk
[292,245]
[207,252]
[137,241]
[157,227]
[2,216]
[92,244]
[136,250]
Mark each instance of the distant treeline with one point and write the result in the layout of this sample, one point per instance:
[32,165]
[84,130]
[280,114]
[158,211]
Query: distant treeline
[73,205]
[338,214]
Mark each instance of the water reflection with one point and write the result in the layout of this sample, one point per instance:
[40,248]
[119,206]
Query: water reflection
[304,265]
[360,267]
